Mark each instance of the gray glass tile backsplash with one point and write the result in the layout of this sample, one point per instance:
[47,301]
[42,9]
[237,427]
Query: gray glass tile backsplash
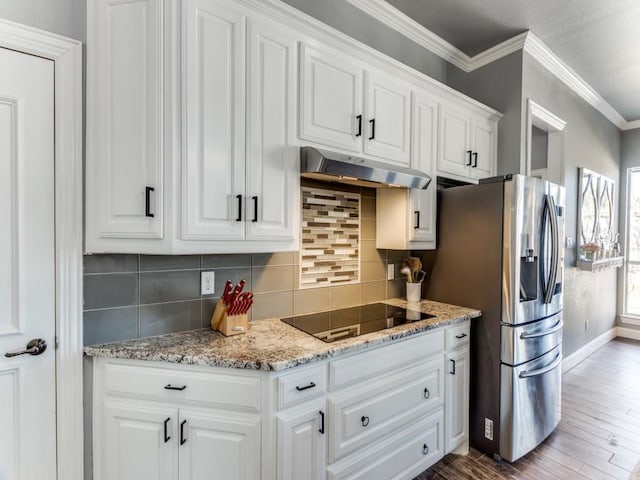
[130,296]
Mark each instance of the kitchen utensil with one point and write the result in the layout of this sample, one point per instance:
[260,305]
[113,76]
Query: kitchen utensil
[409,267]
[226,291]
[236,291]
[418,277]
[405,269]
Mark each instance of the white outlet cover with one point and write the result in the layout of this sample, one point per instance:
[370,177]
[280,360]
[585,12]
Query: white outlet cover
[390,271]
[207,283]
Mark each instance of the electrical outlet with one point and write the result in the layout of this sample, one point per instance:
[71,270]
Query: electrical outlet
[391,272]
[488,429]
[207,283]
[569,242]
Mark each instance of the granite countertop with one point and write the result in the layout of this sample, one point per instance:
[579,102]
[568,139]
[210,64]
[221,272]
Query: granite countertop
[271,344]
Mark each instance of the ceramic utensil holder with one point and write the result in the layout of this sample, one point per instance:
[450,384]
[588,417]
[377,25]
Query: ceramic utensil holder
[228,324]
[414,291]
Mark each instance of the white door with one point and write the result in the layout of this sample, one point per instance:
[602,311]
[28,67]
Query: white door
[273,172]
[387,117]
[140,442]
[454,151]
[124,121]
[483,134]
[331,99]
[457,407]
[221,445]
[27,269]
[213,121]
[302,444]
[422,226]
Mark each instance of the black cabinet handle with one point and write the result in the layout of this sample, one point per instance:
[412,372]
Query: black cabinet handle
[147,201]
[239,218]
[183,440]
[321,429]
[462,335]
[306,387]
[166,430]
[469,152]
[417,213]
[425,449]
[453,366]
[475,159]
[359,118]
[426,394]
[373,128]
[364,420]
[173,387]
[255,208]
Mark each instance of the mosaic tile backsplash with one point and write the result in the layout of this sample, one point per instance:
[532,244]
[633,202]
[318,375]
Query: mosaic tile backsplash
[330,238]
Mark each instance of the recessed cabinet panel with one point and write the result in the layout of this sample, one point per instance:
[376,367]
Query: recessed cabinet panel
[273,176]
[331,99]
[387,119]
[453,140]
[139,442]
[457,410]
[124,120]
[484,134]
[214,120]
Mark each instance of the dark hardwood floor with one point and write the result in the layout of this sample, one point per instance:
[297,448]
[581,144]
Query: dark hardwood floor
[598,437]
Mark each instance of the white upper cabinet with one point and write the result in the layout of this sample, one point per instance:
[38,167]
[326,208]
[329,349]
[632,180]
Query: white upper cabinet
[466,142]
[124,169]
[213,164]
[345,107]
[331,102]
[388,113]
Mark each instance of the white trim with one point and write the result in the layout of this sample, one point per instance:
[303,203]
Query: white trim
[579,355]
[394,18]
[67,55]
[629,320]
[528,41]
[541,117]
[630,333]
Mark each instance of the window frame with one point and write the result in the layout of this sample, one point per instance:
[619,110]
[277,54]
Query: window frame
[626,317]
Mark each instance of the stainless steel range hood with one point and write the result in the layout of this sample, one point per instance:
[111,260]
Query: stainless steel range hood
[338,167]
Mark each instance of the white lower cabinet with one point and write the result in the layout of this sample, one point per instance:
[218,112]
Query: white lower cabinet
[301,442]
[386,413]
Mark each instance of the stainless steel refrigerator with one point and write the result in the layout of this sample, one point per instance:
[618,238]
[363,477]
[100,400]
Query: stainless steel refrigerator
[500,250]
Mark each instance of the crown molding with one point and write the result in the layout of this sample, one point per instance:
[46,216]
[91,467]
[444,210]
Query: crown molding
[527,41]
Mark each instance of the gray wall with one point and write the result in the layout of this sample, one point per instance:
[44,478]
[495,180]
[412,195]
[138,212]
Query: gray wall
[590,141]
[354,22]
[630,157]
[498,85]
[539,147]
[64,17]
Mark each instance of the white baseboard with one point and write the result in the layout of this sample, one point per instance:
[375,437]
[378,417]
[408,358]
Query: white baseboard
[582,353]
[631,333]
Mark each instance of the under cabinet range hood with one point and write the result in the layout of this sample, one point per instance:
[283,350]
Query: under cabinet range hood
[342,168]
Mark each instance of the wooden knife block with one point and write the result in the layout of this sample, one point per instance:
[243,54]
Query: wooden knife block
[228,324]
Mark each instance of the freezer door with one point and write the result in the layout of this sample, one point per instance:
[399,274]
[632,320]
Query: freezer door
[529,403]
[533,253]
[522,343]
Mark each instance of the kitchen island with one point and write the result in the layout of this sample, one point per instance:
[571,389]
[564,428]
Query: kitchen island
[279,403]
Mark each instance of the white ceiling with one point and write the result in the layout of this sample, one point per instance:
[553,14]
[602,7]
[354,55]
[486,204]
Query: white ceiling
[598,39]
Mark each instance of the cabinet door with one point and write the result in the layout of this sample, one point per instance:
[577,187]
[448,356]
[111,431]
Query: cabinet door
[302,444]
[273,174]
[457,399]
[453,140]
[213,120]
[483,134]
[331,99]
[387,117]
[139,441]
[124,120]
[219,445]
[422,224]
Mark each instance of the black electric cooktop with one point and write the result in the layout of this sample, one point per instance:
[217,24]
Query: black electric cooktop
[351,322]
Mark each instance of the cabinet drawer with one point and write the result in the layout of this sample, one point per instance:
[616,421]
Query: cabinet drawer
[351,370]
[458,335]
[367,414]
[301,385]
[401,456]
[159,382]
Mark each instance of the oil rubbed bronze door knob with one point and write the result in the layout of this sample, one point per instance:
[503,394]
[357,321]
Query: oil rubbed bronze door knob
[34,347]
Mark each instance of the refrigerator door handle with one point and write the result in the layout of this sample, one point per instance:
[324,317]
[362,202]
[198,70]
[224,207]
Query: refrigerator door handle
[543,370]
[555,328]
[551,215]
